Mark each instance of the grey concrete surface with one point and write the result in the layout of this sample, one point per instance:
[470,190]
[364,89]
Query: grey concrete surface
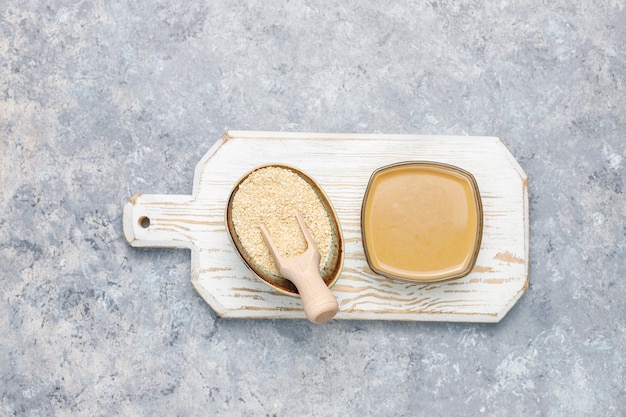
[102,99]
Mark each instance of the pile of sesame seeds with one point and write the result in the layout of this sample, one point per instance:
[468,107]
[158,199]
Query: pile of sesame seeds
[269,196]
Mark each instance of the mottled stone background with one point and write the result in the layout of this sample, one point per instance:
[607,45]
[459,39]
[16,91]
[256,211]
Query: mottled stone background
[103,99]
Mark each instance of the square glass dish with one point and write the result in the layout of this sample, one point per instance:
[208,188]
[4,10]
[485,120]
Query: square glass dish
[421,221]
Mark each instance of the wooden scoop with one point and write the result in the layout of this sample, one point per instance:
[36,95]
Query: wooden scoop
[320,305]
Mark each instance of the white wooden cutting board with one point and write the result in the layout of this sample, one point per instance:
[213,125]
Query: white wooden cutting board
[342,165]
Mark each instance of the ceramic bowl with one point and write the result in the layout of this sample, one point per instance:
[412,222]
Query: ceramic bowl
[334,262]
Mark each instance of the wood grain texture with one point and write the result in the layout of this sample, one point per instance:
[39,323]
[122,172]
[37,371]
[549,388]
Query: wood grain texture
[342,165]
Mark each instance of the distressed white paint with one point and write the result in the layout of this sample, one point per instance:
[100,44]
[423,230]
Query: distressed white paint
[342,165]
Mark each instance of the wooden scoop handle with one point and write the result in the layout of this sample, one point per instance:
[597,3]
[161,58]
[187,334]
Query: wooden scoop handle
[319,303]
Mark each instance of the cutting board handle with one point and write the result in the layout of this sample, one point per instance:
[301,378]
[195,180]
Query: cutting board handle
[152,220]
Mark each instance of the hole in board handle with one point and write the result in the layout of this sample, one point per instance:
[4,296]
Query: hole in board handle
[144,222]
